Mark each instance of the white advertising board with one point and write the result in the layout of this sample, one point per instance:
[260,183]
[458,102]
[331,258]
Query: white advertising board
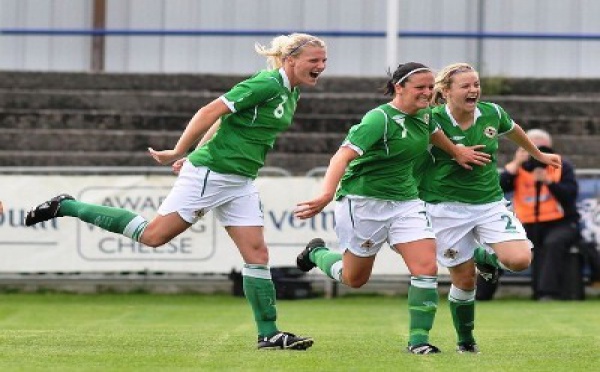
[70,245]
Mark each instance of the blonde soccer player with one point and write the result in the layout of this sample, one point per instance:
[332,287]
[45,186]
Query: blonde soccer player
[218,175]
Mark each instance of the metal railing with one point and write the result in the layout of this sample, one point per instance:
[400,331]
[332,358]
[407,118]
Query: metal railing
[320,33]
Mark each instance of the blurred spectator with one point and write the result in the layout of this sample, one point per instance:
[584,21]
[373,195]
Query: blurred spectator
[545,202]
[1,208]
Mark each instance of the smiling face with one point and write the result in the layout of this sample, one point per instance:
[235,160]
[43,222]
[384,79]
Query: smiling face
[306,67]
[416,92]
[464,91]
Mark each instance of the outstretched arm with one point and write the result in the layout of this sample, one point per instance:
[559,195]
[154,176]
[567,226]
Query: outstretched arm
[518,136]
[333,175]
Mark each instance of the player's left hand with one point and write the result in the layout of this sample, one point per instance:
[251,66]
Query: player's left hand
[311,208]
[553,160]
[466,155]
[178,165]
[164,157]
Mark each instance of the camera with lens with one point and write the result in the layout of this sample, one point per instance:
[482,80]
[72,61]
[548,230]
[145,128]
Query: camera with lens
[530,164]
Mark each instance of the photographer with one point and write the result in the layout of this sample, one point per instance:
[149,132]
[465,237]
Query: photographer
[545,202]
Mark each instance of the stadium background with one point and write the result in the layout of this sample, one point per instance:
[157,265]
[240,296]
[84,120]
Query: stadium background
[510,38]
[538,59]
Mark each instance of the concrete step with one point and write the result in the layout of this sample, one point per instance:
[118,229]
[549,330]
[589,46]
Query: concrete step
[547,106]
[81,140]
[165,82]
[113,120]
[545,87]
[287,161]
[308,143]
[303,122]
[568,145]
[188,102]
[574,125]
[114,148]
[164,101]
[91,119]
[296,164]
[35,158]
[222,83]
[77,140]
[121,101]
[117,81]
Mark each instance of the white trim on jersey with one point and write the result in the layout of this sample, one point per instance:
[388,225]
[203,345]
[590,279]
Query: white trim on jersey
[286,81]
[497,110]
[349,144]
[455,123]
[228,103]
[385,139]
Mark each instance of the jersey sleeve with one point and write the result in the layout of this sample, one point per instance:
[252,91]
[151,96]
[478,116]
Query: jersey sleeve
[250,93]
[369,131]
[506,123]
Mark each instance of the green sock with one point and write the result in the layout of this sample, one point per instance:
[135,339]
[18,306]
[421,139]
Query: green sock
[462,308]
[116,220]
[422,306]
[482,256]
[260,293]
[329,262]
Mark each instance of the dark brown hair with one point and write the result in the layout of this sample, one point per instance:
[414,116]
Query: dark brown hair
[400,76]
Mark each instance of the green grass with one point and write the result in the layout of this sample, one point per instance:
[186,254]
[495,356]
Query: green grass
[141,332]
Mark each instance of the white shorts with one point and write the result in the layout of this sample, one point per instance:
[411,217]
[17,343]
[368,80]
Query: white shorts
[234,199]
[364,224]
[460,228]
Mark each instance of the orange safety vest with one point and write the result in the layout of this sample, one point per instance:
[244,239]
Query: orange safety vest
[524,198]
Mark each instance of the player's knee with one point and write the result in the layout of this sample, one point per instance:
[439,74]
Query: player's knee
[262,256]
[518,261]
[153,240]
[355,282]
[466,283]
[424,268]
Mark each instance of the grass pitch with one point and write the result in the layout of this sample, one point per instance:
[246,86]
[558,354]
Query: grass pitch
[142,332]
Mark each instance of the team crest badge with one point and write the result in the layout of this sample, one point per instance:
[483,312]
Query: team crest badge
[450,253]
[490,132]
[368,244]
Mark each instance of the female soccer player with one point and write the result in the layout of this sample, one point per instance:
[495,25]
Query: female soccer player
[377,200]
[218,175]
[468,207]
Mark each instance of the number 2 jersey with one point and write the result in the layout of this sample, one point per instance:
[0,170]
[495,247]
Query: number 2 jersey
[444,180]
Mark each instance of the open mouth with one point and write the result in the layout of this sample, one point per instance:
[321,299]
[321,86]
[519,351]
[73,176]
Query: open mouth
[471,99]
[314,74]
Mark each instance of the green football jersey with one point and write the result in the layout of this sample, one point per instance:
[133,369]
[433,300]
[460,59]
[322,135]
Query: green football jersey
[445,180]
[261,107]
[388,141]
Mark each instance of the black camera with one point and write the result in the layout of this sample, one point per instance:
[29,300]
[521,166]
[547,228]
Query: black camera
[530,164]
